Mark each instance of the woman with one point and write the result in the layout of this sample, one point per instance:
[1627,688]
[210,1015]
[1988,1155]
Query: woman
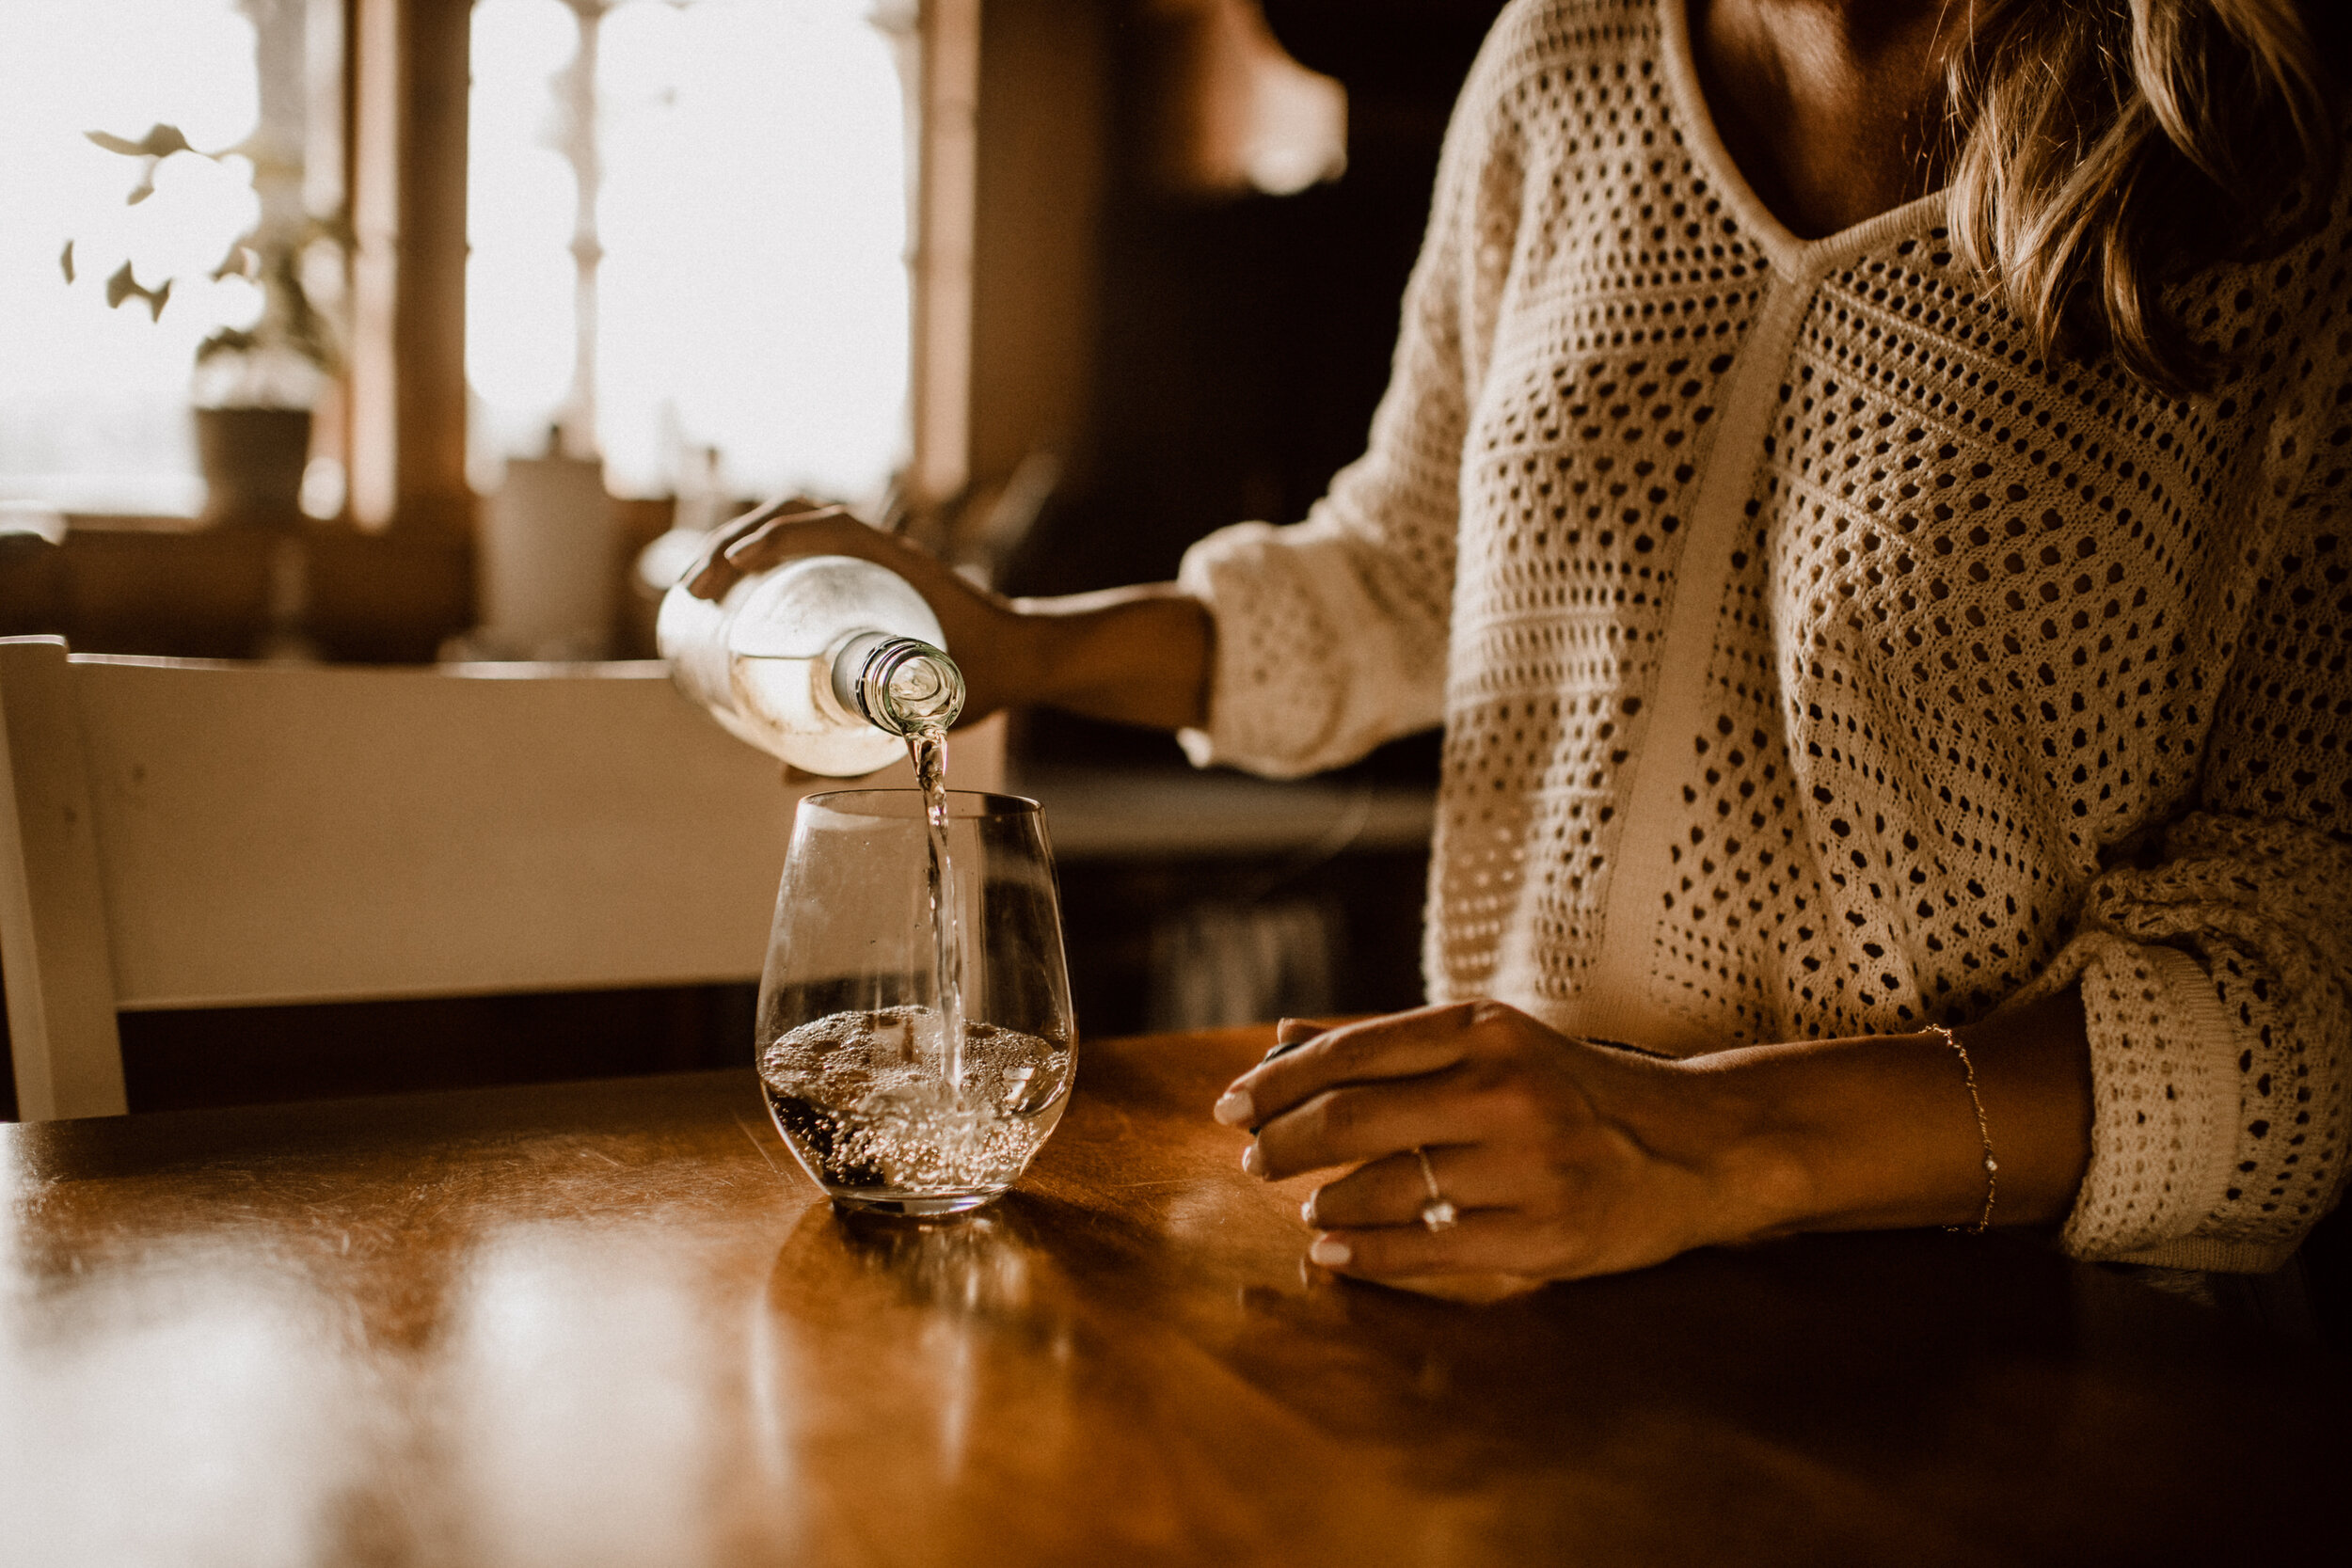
[1858,488]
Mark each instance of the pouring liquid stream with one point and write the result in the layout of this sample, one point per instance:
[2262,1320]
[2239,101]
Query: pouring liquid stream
[927,748]
[878,687]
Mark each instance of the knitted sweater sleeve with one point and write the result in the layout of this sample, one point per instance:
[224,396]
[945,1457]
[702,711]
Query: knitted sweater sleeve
[1331,632]
[2217,975]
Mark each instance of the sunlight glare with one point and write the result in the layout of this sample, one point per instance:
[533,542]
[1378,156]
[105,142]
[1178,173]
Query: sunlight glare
[754,293]
[93,402]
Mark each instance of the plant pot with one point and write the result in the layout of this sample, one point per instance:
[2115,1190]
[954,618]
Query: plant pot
[252,460]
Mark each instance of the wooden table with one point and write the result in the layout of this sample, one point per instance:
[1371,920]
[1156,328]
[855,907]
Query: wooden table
[610,1324]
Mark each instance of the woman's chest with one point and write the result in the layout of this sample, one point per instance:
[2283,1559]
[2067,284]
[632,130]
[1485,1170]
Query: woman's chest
[1896,470]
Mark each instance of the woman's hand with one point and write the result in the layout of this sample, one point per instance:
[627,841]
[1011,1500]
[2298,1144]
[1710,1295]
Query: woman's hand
[991,641]
[1564,1158]
[1561,1157]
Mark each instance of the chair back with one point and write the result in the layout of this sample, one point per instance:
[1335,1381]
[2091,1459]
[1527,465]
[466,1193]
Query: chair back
[177,834]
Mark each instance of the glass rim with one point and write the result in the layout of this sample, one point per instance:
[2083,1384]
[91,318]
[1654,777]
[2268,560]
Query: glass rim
[906,805]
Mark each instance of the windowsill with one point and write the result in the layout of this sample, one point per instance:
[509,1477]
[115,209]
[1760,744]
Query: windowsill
[173,586]
[126,522]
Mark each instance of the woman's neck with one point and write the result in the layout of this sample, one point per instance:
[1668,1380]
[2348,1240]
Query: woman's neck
[1834,110]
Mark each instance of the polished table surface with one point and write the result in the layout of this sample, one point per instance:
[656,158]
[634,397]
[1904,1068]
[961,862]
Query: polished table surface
[612,1323]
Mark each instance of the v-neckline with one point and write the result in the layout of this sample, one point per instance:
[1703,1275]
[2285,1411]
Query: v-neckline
[1785,249]
[1618,996]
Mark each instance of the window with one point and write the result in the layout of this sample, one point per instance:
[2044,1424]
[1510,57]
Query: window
[737,277]
[93,401]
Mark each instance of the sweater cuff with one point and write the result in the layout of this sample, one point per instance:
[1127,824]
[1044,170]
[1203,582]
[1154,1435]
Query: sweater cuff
[2164,1104]
[2214,1255]
[1268,688]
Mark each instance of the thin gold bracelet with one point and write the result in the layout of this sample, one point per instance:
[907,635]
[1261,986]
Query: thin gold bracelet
[1984,1130]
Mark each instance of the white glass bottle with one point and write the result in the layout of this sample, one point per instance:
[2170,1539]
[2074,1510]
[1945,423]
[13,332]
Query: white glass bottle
[827,662]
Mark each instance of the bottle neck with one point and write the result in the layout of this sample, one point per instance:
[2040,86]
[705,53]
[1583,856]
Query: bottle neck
[899,684]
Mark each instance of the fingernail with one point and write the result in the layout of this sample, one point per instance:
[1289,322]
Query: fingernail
[1251,1160]
[1307,1209]
[1330,1252]
[1234,1110]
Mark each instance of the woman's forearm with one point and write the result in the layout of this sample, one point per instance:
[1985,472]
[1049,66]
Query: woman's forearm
[1140,656]
[1879,1132]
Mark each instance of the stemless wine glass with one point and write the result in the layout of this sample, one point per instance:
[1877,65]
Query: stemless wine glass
[853,1056]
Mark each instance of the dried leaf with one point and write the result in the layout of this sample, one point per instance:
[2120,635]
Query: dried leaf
[229,339]
[161,141]
[65,260]
[122,286]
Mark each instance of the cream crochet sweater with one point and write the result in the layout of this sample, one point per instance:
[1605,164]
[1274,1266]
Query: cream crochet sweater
[1816,660]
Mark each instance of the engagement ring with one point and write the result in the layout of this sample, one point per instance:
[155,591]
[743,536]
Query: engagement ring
[1439,1214]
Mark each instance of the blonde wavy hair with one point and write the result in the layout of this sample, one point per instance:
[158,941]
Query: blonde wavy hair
[2104,148]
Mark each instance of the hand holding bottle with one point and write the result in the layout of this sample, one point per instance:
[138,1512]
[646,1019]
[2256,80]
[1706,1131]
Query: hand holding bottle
[1139,656]
[982,630]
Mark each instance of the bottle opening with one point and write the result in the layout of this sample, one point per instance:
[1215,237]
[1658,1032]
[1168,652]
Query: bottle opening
[907,687]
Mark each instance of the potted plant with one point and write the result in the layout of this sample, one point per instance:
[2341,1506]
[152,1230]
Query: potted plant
[253,387]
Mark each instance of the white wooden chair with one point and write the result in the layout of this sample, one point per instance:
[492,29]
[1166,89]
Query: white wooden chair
[177,834]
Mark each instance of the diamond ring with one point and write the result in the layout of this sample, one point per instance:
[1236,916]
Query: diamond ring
[1439,1214]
